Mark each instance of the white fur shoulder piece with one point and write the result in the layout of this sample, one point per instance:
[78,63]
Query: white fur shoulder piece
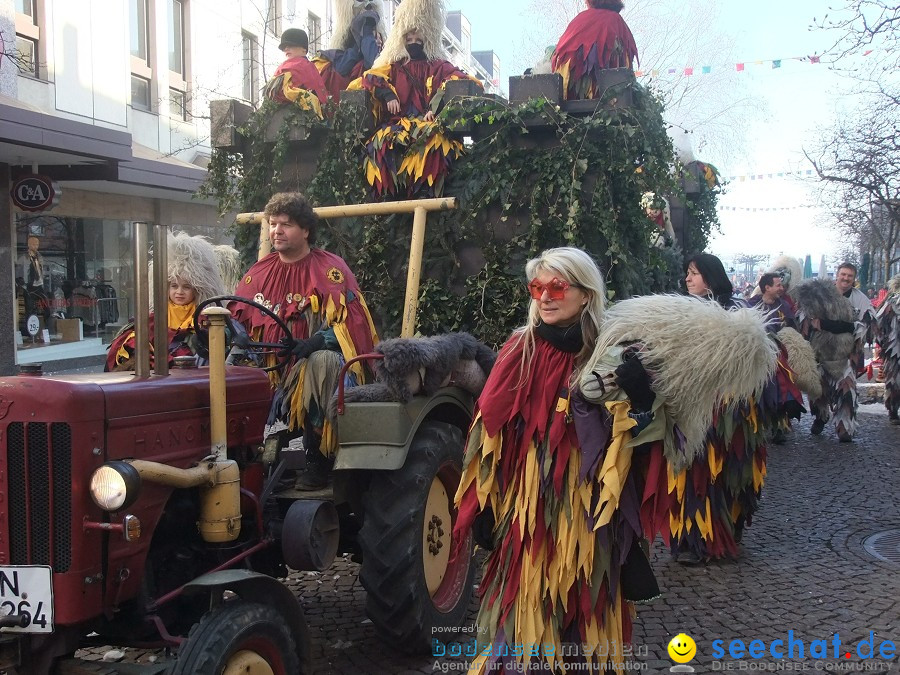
[698,353]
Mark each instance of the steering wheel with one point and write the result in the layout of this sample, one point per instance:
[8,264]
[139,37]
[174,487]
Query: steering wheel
[239,337]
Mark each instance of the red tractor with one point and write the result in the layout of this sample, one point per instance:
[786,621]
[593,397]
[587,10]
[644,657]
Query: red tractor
[141,509]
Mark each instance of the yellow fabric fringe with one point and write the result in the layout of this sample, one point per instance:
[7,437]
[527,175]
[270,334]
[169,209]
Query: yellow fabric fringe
[543,581]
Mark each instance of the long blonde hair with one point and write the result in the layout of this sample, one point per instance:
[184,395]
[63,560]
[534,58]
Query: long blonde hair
[576,267]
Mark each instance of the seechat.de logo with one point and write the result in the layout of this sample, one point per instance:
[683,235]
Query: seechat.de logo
[682,649]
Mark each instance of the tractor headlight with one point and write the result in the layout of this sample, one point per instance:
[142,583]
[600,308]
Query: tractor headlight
[115,485]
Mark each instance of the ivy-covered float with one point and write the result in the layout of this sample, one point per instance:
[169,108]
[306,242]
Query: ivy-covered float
[536,172]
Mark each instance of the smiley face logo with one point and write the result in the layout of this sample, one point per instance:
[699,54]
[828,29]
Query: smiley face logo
[682,648]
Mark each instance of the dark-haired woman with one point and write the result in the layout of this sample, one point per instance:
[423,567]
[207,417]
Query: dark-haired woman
[705,277]
[713,500]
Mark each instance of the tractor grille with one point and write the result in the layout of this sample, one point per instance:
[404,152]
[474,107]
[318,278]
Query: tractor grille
[39,460]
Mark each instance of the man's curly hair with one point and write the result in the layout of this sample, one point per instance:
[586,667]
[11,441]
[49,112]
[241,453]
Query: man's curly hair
[296,207]
[614,5]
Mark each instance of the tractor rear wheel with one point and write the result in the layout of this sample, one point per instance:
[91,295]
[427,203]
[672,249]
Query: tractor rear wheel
[417,591]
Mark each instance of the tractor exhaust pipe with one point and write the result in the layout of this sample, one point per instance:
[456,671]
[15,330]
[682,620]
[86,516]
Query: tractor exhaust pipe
[220,512]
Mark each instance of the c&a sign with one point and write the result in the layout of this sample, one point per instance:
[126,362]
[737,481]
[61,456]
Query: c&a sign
[35,193]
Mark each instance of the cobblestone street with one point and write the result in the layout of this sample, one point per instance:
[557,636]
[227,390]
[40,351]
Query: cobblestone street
[803,569]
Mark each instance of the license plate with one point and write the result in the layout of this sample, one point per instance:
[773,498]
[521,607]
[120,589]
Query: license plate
[27,592]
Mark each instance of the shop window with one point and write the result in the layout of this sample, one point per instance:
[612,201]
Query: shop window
[314,29]
[250,49]
[72,268]
[28,37]
[142,74]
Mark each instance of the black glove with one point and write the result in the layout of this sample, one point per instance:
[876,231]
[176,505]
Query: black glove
[837,326]
[635,382]
[301,349]
[483,529]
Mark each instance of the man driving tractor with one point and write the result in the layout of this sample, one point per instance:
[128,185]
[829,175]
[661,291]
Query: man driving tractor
[318,297]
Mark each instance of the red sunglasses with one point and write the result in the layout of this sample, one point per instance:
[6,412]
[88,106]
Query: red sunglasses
[556,288]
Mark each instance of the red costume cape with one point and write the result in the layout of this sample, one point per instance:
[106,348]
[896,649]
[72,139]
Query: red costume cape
[595,40]
[335,83]
[524,459]
[303,76]
[322,283]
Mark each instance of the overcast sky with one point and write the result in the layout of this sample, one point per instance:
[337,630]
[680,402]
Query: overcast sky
[789,107]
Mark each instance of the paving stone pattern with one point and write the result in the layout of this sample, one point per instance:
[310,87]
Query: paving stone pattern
[802,568]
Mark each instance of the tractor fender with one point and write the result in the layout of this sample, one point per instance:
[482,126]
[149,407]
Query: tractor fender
[263,589]
[377,436]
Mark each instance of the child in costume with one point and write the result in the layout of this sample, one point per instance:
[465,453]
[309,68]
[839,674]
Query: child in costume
[193,278]
[297,80]
[409,156]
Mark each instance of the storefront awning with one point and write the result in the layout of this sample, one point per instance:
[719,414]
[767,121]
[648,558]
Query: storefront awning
[72,151]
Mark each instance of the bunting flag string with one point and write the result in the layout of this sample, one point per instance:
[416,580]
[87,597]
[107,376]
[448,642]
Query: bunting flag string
[770,176]
[741,67]
[755,209]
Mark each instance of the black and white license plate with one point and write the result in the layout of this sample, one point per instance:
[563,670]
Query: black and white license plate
[27,592]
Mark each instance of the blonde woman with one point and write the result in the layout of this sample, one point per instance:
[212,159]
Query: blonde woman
[531,484]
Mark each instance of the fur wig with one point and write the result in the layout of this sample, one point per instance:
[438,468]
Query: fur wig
[426,16]
[802,360]
[424,365]
[344,12]
[893,286]
[820,299]
[193,259]
[230,267]
[698,354]
[791,272]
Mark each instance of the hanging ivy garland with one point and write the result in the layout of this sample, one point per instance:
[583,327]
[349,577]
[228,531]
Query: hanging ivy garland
[533,177]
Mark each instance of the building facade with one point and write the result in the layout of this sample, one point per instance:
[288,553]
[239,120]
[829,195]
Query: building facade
[108,100]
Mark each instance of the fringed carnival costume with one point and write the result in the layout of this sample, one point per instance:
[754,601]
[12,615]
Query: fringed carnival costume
[192,260]
[358,34]
[845,325]
[695,472]
[315,295]
[597,39]
[409,156]
[889,341]
[297,80]
[573,494]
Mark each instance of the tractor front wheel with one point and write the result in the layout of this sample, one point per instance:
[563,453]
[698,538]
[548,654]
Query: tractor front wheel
[238,637]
